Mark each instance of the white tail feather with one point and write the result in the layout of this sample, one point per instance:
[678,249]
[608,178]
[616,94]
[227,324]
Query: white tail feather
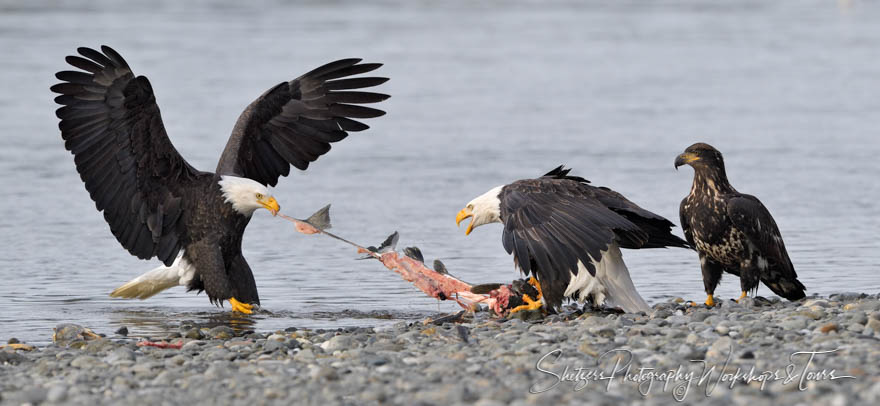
[157,280]
[611,286]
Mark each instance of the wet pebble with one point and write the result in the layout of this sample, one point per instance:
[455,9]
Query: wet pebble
[221,333]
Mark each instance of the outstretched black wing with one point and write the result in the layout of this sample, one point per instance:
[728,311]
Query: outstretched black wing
[750,216]
[551,224]
[111,124]
[295,122]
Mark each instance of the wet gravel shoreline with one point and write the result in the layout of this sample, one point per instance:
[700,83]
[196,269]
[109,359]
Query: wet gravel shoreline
[821,350]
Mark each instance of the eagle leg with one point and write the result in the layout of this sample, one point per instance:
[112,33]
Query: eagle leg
[240,307]
[741,296]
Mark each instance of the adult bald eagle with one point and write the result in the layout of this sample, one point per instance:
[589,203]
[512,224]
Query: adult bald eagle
[732,232]
[158,205]
[567,234]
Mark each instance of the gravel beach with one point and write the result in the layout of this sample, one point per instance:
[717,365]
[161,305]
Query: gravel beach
[823,350]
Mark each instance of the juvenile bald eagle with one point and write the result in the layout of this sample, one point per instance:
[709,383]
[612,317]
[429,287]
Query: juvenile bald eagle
[567,234]
[158,205]
[732,232]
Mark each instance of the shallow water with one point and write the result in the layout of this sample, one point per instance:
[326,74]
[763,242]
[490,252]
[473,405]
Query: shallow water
[482,95]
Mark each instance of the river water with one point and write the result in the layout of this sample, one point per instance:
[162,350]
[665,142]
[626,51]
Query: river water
[482,94]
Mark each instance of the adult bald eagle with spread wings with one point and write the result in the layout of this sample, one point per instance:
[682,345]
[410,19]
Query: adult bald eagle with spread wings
[568,234]
[158,205]
[733,232]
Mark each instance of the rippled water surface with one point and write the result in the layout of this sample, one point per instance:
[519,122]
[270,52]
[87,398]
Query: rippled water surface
[482,95]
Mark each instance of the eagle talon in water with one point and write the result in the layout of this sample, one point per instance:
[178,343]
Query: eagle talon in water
[158,206]
[568,234]
[744,294]
[240,307]
[733,232]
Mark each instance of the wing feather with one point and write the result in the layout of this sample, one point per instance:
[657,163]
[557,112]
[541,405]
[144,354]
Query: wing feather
[295,122]
[750,216]
[111,124]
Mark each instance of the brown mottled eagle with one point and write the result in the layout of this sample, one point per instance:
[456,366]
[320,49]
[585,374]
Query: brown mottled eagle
[732,232]
[158,205]
[568,234]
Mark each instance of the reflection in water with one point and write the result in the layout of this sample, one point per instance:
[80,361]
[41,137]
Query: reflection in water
[157,323]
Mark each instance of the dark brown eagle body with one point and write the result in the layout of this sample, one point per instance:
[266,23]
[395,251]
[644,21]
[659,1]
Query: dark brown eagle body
[733,232]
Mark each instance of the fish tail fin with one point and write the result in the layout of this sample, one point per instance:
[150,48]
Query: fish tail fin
[321,218]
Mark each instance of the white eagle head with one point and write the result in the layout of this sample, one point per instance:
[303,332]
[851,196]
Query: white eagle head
[247,195]
[484,209]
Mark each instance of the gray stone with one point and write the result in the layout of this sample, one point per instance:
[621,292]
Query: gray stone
[193,345]
[67,334]
[177,360]
[306,355]
[12,358]
[194,334]
[321,372]
[221,333]
[720,349]
[603,331]
[337,343]
[873,324]
[33,396]
[812,313]
[85,361]
[700,315]
[794,323]
[119,354]
[816,302]
[708,334]
[56,393]
[166,378]
[273,345]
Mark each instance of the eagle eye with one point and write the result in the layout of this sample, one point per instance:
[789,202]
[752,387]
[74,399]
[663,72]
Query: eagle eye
[259,196]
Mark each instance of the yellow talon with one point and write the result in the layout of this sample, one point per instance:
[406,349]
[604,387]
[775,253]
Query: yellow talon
[534,282]
[741,296]
[710,301]
[530,305]
[240,307]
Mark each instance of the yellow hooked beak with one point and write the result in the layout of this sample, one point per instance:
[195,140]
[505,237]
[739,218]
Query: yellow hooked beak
[685,159]
[270,204]
[463,214]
